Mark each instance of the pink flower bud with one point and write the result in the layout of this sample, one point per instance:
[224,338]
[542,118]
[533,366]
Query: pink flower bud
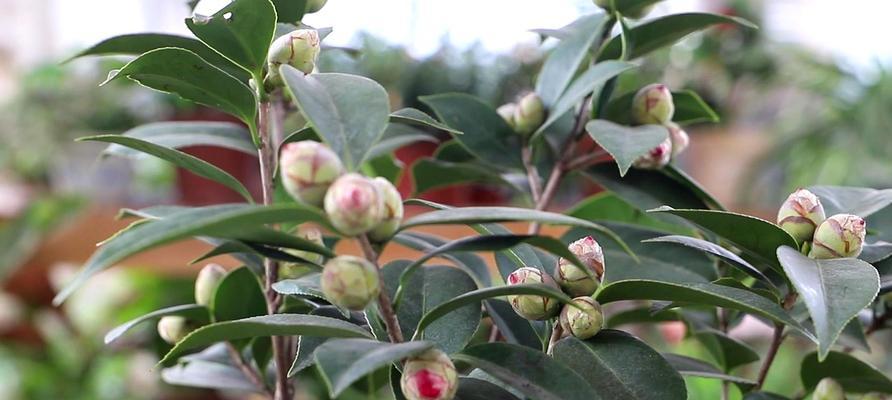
[800,214]
[653,105]
[393,211]
[841,235]
[354,204]
[506,111]
[299,49]
[350,282]
[679,138]
[173,328]
[571,278]
[308,168]
[529,114]
[206,283]
[585,321]
[532,306]
[657,158]
[429,376]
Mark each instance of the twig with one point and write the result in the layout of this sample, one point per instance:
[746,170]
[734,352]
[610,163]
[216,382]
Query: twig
[586,160]
[249,371]
[533,178]
[384,303]
[776,340]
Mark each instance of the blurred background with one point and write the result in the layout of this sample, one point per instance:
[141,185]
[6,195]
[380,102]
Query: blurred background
[804,100]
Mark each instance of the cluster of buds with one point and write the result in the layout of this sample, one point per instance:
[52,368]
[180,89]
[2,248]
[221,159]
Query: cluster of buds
[653,104]
[525,116]
[206,283]
[350,282]
[293,270]
[828,389]
[583,318]
[429,376]
[298,48]
[837,236]
[634,13]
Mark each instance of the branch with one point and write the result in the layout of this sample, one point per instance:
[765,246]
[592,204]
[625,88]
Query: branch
[249,371]
[776,340]
[384,303]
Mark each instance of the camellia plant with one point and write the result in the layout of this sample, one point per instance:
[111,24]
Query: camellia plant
[300,319]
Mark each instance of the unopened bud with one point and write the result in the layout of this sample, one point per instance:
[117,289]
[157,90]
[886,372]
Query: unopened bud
[506,111]
[308,168]
[354,204]
[290,270]
[653,105]
[656,158]
[393,211]
[841,235]
[532,306]
[298,48]
[828,389]
[315,5]
[350,282]
[585,321]
[573,279]
[206,283]
[529,114]
[680,139]
[429,376]
[172,328]
[800,215]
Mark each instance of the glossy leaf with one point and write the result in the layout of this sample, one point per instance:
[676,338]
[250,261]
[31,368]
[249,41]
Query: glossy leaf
[833,290]
[606,206]
[876,251]
[429,174]
[479,389]
[414,116]
[469,262]
[396,136]
[626,144]
[238,295]
[346,361]
[512,327]
[689,366]
[329,101]
[854,375]
[728,352]
[641,315]
[290,11]
[732,259]
[209,375]
[564,60]
[241,31]
[176,135]
[189,311]
[852,200]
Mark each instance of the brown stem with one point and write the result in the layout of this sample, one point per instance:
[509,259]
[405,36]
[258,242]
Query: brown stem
[384,303]
[556,334]
[776,340]
[586,160]
[533,178]
[248,370]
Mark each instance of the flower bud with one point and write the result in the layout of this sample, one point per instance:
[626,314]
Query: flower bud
[529,114]
[299,49]
[585,321]
[506,111]
[315,5]
[571,278]
[392,212]
[828,389]
[308,168]
[429,376]
[800,214]
[354,204]
[532,306]
[841,235]
[679,138]
[172,328]
[290,270]
[634,13]
[350,282]
[656,158]
[874,396]
[653,105]
[206,283]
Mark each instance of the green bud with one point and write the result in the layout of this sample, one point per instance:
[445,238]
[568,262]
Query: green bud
[571,278]
[289,270]
[656,158]
[828,389]
[506,111]
[299,49]
[206,283]
[429,376]
[529,114]
[585,321]
[308,168]
[800,214]
[874,396]
[354,204]
[315,5]
[653,105]
[680,139]
[532,306]
[350,282]
[393,211]
[633,13]
[841,235]
[173,328]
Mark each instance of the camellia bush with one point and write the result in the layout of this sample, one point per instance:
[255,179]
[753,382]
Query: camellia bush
[301,320]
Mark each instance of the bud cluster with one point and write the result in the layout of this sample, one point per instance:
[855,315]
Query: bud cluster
[525,116]
[837,236]
[653,104]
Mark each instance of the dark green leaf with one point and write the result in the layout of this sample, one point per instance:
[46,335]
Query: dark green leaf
[241,31]
[238,296]
[693,367]
[764,396]
[733,259]
[606,206]
[727,351]
[346,361]
[413,116]
[624,143]
[514,328]
[193,312]
[429,173]
[852,200]
[469,262]
[854,375]
[478,389]
[397,136]
[876,251]
[564,60]
[209,375]
[641,315]
[177,135]
[291,11]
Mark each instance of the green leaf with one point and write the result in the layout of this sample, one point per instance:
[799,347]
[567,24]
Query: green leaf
[624,143]
[479,389]
[187,75]
[764,396]
[396,136]
[486,135]
[238,296]
[581,87]
[689,109]
[666,31]
[346,361]
[330,102]
[469,262]
[512,327]
[429,174]
[641,315]
[242,249]
[176,135]
[606,206]
[618,366]
[413,116]
[308,285]
[242,32]
[755,236]
[139,43]
[291,11]
[852,200]
[209,375]
[732,259]
[689,184]
[188,162]
[189,311]
[834,291]
[854,375]
[699,293]
[230,221]
[564,60]
[688,366]
[727,351]
[531,372]
[263,326]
